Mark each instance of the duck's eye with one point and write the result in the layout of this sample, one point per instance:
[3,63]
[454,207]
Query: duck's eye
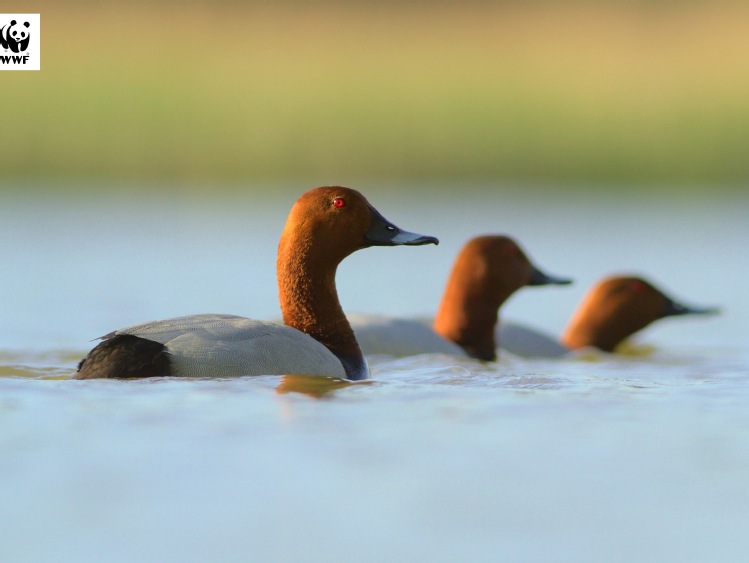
[390,228]
[637,286]
[339,202]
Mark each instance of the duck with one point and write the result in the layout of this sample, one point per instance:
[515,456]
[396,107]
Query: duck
[324,226]
[487,271]
[612,310]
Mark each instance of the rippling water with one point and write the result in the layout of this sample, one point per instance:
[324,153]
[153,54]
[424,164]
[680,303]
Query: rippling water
[594,457]
[586,458]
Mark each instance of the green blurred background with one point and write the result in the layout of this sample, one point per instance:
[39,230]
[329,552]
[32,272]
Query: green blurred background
[192,94]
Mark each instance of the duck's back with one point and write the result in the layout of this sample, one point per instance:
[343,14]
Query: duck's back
[528,342]
[399,337]
[229,346]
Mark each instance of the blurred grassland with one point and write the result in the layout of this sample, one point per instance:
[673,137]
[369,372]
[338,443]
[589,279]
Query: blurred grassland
[230,94]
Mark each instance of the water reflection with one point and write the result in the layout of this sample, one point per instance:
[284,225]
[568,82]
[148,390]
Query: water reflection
[314,386]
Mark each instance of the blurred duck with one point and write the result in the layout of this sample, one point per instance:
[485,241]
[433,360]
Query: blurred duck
[324,226]
[612,310]
[487,271]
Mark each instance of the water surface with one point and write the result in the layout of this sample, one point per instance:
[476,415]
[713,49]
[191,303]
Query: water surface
[587,458]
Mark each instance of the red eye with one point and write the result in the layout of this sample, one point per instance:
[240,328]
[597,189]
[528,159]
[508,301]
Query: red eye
[339,202]
[637,286]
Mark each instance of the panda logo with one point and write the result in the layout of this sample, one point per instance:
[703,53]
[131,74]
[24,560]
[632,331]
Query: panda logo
[14,36]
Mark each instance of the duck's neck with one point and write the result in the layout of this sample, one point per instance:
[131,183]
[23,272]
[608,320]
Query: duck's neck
[467,316]
[581,336]
[309,303]
[600,329]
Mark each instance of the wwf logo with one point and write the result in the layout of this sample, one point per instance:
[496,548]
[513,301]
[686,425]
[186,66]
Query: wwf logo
[15,36]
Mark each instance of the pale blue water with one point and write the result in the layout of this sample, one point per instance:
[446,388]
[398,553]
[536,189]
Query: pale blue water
[587,458]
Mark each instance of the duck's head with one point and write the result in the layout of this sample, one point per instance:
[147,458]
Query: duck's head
[619,306]
[498,265]
[340,221]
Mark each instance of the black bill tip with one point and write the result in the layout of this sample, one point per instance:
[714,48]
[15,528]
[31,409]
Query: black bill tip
[675,308]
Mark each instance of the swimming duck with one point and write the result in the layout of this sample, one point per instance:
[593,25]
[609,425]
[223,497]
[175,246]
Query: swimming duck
[324,226]
[487,271]
[613,309]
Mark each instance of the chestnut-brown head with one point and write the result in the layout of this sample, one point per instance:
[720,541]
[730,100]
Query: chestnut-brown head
[486,272]
[334,221]
[498,265]
[616,308]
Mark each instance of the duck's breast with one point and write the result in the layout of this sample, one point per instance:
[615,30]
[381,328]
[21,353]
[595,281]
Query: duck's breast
[231,346]
[399,337]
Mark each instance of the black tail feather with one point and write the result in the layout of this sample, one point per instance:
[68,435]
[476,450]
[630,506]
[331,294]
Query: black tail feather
[124,357]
